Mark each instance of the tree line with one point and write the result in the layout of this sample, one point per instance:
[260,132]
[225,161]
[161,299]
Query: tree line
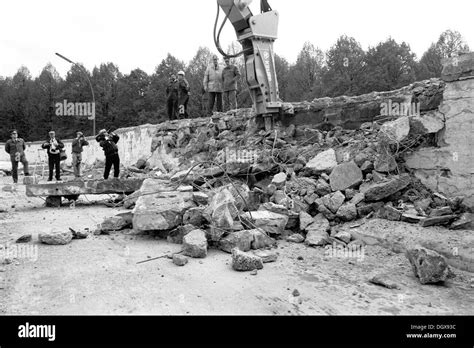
[124,100]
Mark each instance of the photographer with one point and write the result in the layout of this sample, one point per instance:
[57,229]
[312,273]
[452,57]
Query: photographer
[77,144]
[108,142]
[54,147]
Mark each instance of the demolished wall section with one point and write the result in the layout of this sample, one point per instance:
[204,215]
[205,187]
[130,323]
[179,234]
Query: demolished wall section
[449,168]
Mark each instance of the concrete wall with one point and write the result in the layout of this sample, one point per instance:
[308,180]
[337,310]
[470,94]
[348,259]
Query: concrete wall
[449,167]
[134,143]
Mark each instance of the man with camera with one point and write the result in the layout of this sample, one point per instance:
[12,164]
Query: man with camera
[77,144]
[108,141]
[54,147]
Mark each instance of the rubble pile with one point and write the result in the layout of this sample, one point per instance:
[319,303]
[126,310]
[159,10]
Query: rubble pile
[223,183]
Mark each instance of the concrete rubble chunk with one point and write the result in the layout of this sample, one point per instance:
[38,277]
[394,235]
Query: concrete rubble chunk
[279,180]
[194,216]
[317,232]
[384,280]
[389,213]
[55,237]
[347,212]
[163,210]
[80,234]
[427,265]
[385,163]
[267,256]
[333,201]
[176,236]
[295,238]
[431,122]
[324,162]
[180,260]
[441,211]
[241,240]
[243,261]
[24,239]
[272,223]
[114,223]
[395,131]
[465,221]
[437,220]
[195,244]
[384,189]
[305,220]
[322,188]
[344,236]
[359,197]
[344,176]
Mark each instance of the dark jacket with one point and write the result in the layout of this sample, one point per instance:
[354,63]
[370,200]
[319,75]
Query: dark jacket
[172,90]
[12,147]
[77,145]
[183,89]
[230,76]
[51,150]
[109,143]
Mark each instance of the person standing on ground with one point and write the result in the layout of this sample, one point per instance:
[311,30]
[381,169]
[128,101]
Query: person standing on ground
[108,142]
[183,95]
[172,97]
[213,84]
[77,144]
[54,147]
[230,76]
[15,147]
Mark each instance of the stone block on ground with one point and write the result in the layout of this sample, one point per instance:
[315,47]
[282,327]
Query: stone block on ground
[180,260]
[195,244]
[317,232]
[389,213]
[324,162]
[344,176]
[55,237]
[24,239]
[272,223]
[261,240]
[295,238]
[395,131]
[385,281]
[333,201]
[347,212]
[428,265]
[176,236]
[194,216]
[465,221]
[441,211]
[344,236]
[241,240]
[266,255]
[243,261]
[384,189]
[322,188]
[437,220]
[114,223]
[305,220]
[223,209]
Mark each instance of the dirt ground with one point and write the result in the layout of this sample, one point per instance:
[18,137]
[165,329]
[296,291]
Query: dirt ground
[100,274]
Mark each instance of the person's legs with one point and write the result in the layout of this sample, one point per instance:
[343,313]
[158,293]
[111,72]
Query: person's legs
[51,167]
[212,98]
[25,165]
[15,171]
[219,102]
[116,162]
[226,101]
[57,164]
[108,166]
[74,164]
[232,100]
[169,107]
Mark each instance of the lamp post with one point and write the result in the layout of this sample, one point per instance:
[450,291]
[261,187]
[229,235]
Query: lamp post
[90,85]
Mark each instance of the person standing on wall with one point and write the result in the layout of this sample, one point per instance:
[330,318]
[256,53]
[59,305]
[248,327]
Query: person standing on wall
[172,97]
[15,147]
[230,76]
[183,95]
[54,147]
[213,84]
[108,142]
[77,144]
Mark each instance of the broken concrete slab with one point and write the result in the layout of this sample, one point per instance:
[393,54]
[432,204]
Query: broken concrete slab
[195,244]
[295,238]
[267,256]
[344,236]
[427,265]
[384,280]
[242,261]
[261,240]
[347,212]
[176,235]
[431,122]
[161,211]
[70,188]
[333,201]
[114,223]
[24,239]
[241,240]
[272,223]
[395,131]
[465,221]
[385,163]
[344,176]
[322,188]
[194,216]
[55,237]
[323,162]
[317,232]
[305,220]
[222,209]
[389,213]
[441,211]
[437,220]
[384,189]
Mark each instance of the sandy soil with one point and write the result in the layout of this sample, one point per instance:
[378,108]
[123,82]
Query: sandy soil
[100,274]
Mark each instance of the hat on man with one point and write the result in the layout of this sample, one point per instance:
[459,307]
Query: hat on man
[13,131]
[102,131]
[181,73]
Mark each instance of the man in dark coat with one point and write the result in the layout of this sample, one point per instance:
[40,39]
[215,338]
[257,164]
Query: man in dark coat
[15,147]
[183,95]
[54,147]
[172,97]
[108,142]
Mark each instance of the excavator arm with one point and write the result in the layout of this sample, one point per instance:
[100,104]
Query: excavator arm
[256,34]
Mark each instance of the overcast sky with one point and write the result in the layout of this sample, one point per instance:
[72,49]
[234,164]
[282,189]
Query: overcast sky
[140,33]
